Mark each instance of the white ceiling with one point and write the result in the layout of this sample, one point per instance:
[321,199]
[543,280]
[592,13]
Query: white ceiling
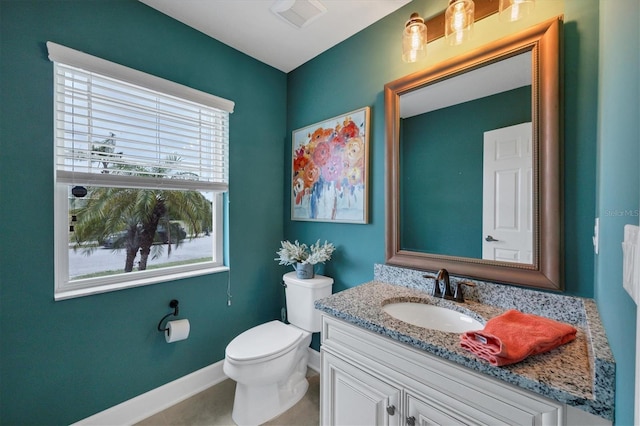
[252,28]
[498,77]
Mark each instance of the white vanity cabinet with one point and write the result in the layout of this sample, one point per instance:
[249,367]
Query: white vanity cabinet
[368,379]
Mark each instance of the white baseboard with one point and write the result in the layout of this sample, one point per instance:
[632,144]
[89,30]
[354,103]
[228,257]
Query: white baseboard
[314,360]
[159,399]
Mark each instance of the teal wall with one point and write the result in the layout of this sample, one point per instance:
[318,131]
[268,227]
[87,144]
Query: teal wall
[64,361]
[618,188]
[441,160]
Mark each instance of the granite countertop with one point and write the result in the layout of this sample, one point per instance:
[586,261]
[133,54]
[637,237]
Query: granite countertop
[580,373]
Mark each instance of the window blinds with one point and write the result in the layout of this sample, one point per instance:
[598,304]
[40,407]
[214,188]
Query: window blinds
[114,132]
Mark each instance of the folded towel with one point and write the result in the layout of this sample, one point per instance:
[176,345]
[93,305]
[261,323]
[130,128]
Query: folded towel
[513,336]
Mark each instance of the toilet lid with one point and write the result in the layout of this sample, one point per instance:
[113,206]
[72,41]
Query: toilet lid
[263,341]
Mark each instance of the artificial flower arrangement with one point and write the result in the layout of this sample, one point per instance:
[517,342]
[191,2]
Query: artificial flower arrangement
[292,253]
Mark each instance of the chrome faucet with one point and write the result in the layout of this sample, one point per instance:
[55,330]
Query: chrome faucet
[443,277]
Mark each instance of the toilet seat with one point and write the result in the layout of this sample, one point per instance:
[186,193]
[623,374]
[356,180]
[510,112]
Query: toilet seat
[264,342]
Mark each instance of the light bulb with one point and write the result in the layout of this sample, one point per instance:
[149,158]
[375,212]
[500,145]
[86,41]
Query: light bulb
[458,21]
[414,39]
[514,10]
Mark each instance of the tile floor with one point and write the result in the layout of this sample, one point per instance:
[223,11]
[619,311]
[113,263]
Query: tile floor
[212,407]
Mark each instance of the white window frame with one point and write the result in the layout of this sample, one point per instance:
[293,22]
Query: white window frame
[64,288]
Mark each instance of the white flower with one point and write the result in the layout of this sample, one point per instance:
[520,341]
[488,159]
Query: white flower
[291,253]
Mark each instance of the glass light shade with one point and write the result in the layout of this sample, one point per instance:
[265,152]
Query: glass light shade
[514,10]
[458,21]
[414,39]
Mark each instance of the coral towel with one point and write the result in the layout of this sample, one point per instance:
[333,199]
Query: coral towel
[513,336]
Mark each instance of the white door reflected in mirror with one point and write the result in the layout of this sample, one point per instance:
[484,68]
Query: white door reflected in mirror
[507,220]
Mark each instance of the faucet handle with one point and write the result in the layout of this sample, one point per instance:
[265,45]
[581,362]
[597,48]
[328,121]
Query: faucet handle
[458,297]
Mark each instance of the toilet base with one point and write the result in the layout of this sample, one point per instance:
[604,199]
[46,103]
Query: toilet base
[254,405]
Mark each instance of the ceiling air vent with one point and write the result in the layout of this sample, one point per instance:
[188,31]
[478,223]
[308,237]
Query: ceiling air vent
[298,12]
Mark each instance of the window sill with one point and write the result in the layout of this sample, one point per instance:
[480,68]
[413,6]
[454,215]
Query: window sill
[71,293]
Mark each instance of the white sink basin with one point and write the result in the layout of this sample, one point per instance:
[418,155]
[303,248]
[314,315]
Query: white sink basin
[433,317]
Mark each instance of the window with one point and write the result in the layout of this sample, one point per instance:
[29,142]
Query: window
[141,172]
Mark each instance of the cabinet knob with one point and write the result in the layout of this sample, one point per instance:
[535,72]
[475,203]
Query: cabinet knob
[391,410]
[411,421]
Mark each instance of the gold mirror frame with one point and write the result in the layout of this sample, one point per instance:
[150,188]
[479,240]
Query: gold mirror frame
[546,272]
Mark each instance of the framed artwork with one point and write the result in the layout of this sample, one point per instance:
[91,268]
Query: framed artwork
[330,169]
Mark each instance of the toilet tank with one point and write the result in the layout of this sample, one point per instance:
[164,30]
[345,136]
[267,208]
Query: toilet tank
[300,296]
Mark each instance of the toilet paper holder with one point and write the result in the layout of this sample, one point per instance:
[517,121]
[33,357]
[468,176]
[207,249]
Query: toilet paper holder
[173,304]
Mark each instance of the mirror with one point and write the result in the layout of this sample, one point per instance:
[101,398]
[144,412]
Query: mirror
[479,174]
[450,204]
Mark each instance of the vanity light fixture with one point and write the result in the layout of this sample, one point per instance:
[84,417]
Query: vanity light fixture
[414,39]
[514,10]
[458,21]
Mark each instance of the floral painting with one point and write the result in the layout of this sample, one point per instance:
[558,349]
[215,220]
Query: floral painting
[329,172]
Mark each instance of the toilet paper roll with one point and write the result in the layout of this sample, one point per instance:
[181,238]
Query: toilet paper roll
[177,330]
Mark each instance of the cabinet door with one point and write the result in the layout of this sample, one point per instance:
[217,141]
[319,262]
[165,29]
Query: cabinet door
[352,397]
[429,412]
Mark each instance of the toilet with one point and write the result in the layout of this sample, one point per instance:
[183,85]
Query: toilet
[269,361]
